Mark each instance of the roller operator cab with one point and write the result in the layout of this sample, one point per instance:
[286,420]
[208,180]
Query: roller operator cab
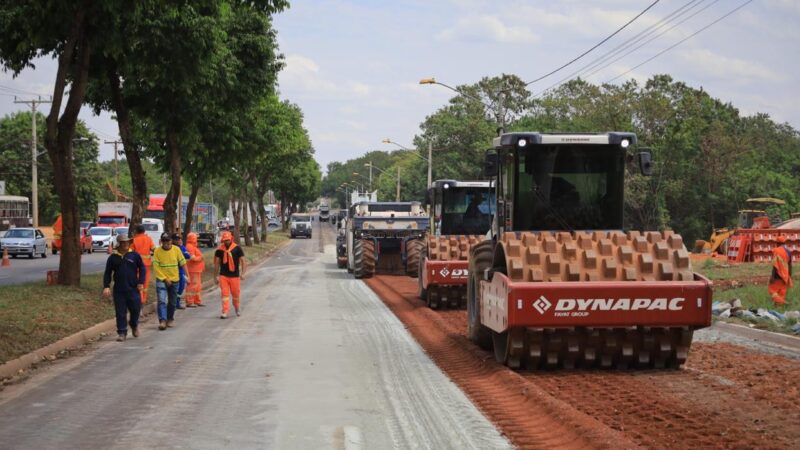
[560,284]
[461,216]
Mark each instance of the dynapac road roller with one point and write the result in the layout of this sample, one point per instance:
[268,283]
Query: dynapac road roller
[462,215]
[560,284]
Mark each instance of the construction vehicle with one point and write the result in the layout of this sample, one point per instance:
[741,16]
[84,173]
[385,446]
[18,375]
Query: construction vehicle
[114,214]
[462,215]
[749,219]
[324,212]
[559,284]
[379,235]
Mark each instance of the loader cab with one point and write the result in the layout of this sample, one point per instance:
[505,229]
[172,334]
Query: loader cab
[461,207]
[561,182]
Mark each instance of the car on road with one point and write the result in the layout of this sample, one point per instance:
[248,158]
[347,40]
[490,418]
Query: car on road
[153,228]
[101,237]
[117,231]
[86,241]
[87,224]
[273,224]
[24,241]
[300,225]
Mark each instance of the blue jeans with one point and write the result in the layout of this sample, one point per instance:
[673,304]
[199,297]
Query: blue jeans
[124,303]
[166,299]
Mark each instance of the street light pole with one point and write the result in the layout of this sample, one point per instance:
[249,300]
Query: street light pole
[430,163]
[370,176]
[398,183]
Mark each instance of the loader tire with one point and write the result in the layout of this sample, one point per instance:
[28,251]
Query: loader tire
[421,291]
[364,258]
[414,249]
[480,259]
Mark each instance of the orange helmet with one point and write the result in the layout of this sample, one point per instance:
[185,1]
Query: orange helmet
[781,239]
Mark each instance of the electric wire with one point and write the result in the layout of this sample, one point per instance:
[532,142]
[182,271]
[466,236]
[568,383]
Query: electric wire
[603,59]
[595,46]
[682,40]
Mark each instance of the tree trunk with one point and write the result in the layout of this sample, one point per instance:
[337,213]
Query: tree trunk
[132,155]
[58,142]
[254,217]
[243,205]
[173,201]
[236,222]
[190,208]
[262,213]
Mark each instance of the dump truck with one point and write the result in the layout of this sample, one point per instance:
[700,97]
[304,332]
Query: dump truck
[461,217]
[379,235]
[560,284]
[114,214]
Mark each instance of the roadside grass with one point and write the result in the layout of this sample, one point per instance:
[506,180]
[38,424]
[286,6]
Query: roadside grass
[716,270]
[34,315]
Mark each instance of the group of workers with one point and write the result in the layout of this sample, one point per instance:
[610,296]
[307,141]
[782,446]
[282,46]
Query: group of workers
[178,270]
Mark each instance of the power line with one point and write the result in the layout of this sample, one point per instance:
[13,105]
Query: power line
[681,41]
[652,39]
[18,91]
[596,45]
[603,59]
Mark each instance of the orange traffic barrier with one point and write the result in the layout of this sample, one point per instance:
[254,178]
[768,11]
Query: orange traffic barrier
[6,261]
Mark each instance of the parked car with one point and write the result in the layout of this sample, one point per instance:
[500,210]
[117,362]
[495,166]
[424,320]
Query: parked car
[117,231]
[153,228]
[86,241]
[24,241]
[273,224]
[101,237]
[87,224]
[300,225]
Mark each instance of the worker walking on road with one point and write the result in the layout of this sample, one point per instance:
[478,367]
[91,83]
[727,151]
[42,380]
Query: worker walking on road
[144,246]
[166,261]
[781,278]
[184,275]
[229,269]
[128,272]
[195,266]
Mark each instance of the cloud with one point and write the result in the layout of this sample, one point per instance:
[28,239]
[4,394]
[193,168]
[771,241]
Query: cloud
[304,76]
[725,68]
[487,29]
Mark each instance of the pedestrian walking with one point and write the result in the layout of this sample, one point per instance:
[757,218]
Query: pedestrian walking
[126,268]
[195,266]
[166,261]
[177,241]
[229,270]
[781,278]
[144,246]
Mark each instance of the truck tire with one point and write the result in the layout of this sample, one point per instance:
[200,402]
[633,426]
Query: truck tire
[364,258]
[480,259]
[422,293]
[413,256]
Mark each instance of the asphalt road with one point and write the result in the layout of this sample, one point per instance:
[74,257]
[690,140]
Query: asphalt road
[24,270]
[315,361]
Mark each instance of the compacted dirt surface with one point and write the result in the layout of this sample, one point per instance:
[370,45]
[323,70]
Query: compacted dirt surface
[726,396]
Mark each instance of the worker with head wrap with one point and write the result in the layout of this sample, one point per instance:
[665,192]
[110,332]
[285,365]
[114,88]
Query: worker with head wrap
[195,266]
[144,246]
[781,277]
[229,269]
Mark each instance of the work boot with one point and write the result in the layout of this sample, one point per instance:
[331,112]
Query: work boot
[200,305]
[162,324]
[238,313]
[179,306]
[191,305]
[170,323]
[223,316]
[121,337]
[135,331]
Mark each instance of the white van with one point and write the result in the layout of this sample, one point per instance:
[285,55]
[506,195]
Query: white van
[153,228]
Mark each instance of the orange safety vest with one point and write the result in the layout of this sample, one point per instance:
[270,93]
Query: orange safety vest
[781,264]
[143,245]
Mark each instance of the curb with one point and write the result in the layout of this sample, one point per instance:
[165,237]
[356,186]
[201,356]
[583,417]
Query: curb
[17,366]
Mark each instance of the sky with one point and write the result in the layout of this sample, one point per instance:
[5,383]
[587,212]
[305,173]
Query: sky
[354,66]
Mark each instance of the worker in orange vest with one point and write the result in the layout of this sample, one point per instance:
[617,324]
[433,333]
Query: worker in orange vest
[144,246]
[781,278]
[195,266]
[229,269]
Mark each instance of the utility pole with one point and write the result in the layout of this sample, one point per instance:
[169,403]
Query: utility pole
[370,176]
[34,169]
[116,169]
[430,163]
[398,183]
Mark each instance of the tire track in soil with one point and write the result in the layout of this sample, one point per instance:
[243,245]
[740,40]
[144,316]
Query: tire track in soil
[727,396]
[523,412]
